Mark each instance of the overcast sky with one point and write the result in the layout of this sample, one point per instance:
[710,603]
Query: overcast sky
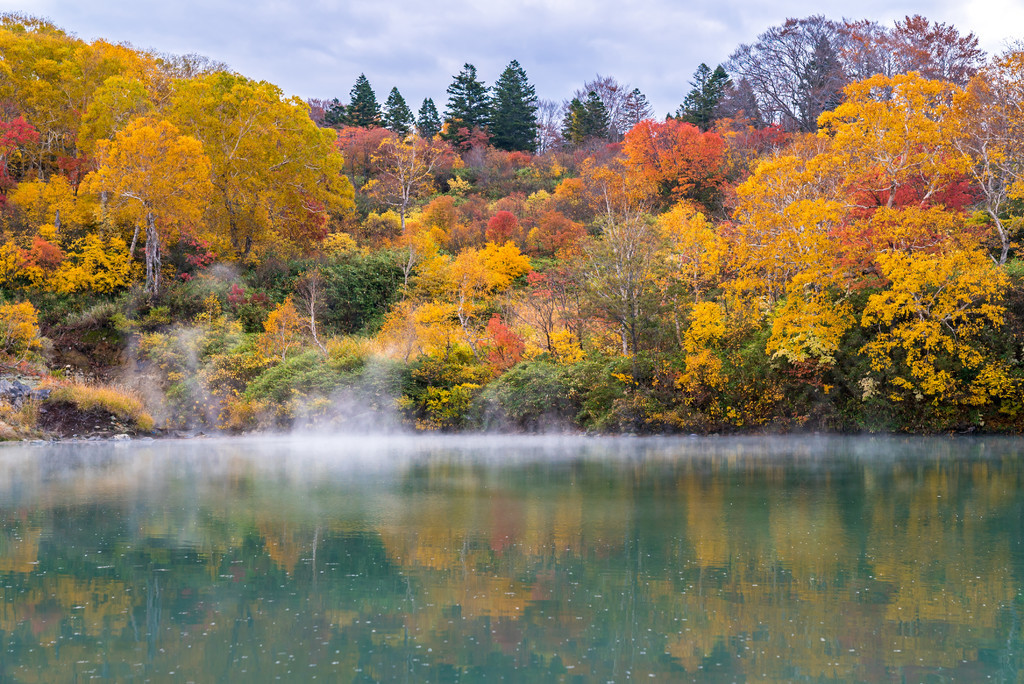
[317,48]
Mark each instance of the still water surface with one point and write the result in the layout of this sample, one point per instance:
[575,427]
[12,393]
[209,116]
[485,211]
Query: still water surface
[351,559]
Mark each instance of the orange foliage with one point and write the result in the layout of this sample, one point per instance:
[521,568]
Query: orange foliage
[677,157]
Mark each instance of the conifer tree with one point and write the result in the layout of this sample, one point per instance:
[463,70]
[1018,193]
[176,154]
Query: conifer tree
[429,121]
[514,111]
[700,104]
[336,114]
[586,120]
[468,105]
[363,109]
[397,115]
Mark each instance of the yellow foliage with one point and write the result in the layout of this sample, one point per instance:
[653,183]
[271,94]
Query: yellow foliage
[810,323]
[895,132]
[94,264]
[339,244]
[282,330]
[930,321]
[19,329]
[11,262]
[707,326]
[694,250]
[458,186]
[566,347]
[49,202]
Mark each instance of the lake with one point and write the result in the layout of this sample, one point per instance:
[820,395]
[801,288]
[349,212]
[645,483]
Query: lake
[465,559]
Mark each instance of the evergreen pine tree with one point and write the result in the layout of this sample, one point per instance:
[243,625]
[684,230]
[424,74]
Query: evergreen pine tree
[700,104]
[429,121]
[514,111]
[336,114]
[586,120]
[397,115]
[468,105]
[363,110]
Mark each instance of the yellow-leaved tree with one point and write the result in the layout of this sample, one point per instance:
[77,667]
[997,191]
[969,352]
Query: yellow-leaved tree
[930,324]
[155,176]
[276,176]
[19,329]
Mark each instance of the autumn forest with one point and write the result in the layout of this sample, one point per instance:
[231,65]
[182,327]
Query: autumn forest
[823,235]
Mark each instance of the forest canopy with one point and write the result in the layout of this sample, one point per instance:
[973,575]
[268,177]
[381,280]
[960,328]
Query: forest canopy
[825,241]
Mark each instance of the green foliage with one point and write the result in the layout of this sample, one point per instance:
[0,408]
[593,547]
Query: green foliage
[533,396]
[699,107]
[363,109]
[469,106]
[514,111]
[438,391]
[360,291]
[428,123]
[586,121]
[397,115]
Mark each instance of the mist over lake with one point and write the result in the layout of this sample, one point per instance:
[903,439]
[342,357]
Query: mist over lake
[434,558]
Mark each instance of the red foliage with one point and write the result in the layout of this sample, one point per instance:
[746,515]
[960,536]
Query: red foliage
[74,169]
[556,233]
[44,255]
[504,347]
[501,227]
[358,145]
[236,295]
[13,134]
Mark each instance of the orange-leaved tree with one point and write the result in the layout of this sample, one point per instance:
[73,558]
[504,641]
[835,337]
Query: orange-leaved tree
[681,160]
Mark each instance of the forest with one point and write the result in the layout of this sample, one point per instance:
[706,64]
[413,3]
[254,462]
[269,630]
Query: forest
[823,236]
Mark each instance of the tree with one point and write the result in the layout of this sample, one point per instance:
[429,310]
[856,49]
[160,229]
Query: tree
[636,109]
[397,115]
[277,176]
[13,136]
[990,115]
[160,176]
[615,97]
[115,103]
[931,325]
[336,114]
[700,107]
[468,106]
[619,276]
[312,301]
[549,125]
[893,140]
[514,111]
[793,71]
[405,170]
[428,123]
[363,109]
[586,121]
[19,329]
[682,161]
[937,51]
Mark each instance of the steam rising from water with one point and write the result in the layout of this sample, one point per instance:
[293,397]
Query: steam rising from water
[82,470]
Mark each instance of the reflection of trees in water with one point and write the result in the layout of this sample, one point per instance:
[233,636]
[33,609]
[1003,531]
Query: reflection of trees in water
[728,567]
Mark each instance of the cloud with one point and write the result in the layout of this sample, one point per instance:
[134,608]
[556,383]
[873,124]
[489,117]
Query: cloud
[318,48]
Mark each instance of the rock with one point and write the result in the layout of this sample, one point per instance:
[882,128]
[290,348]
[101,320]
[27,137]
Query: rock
[121,437]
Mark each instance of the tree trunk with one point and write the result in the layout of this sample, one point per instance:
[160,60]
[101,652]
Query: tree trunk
[152,255]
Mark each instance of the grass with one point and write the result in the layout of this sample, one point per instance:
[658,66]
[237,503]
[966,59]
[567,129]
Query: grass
[122,403]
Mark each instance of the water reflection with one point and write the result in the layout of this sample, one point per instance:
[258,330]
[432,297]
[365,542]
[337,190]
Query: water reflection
[420,559]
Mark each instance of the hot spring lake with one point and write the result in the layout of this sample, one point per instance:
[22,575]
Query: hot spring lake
[465,559]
